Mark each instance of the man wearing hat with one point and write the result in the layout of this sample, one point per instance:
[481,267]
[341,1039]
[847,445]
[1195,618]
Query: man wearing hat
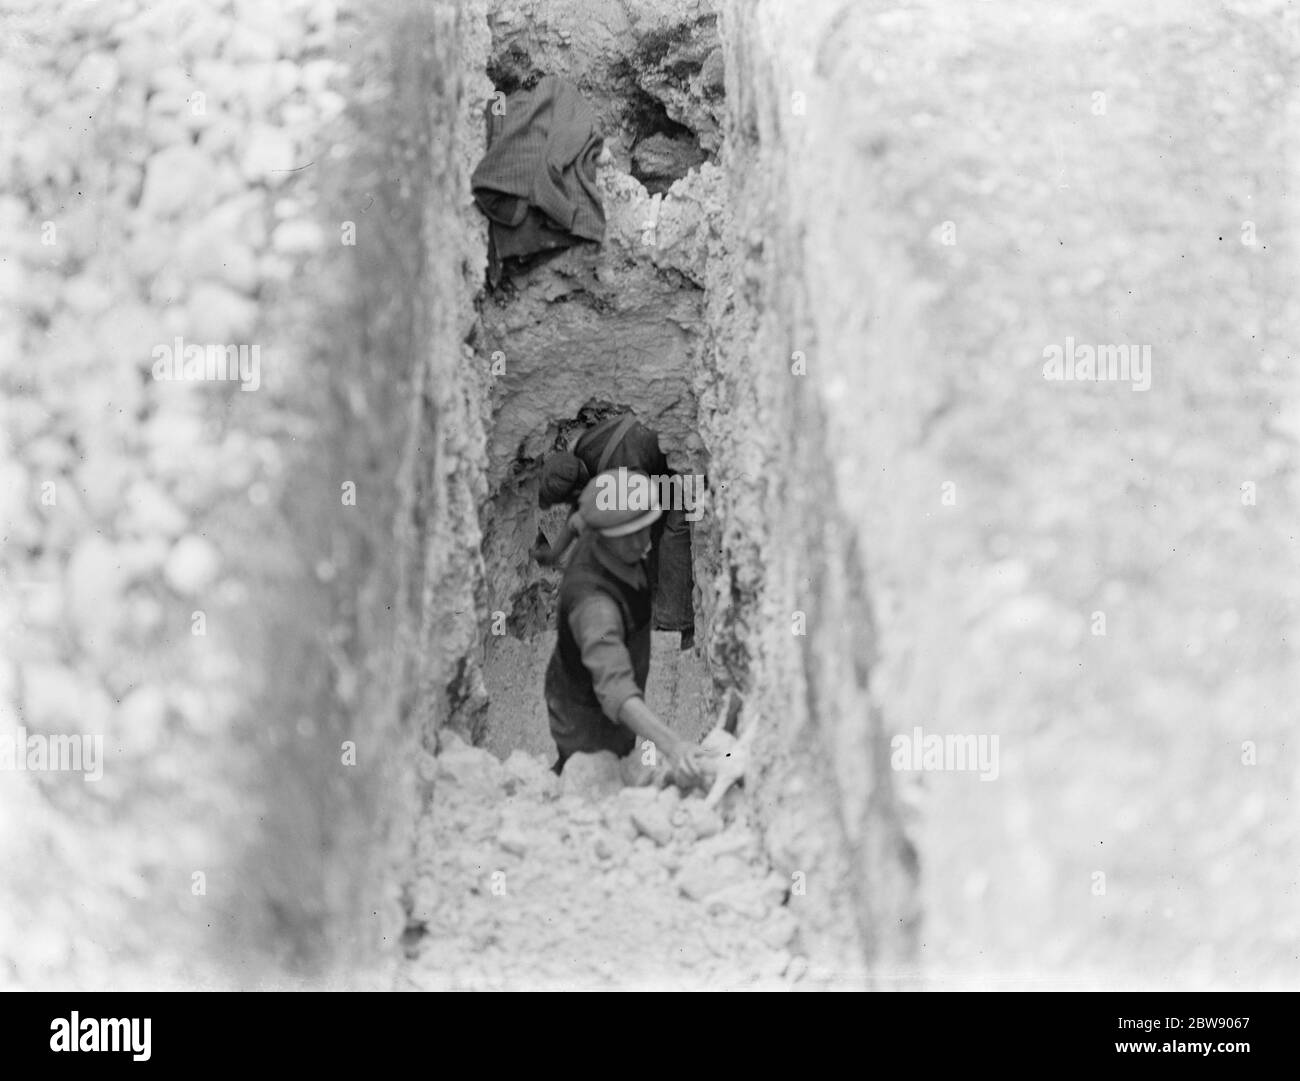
[595,682]
[622,441]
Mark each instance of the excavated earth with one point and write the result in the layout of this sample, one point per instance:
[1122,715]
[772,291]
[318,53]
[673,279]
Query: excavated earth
[530,881]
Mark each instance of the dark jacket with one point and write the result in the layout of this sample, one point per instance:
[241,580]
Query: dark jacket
[637,449]
[537,181]
[672,580]
[578,720]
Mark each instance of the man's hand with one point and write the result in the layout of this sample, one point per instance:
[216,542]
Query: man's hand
[687,761]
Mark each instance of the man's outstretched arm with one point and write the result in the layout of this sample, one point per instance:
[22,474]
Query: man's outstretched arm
[598,628]
[641,719]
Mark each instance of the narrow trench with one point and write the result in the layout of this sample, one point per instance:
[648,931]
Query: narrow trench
[583,334]
[305,623]
[596,878]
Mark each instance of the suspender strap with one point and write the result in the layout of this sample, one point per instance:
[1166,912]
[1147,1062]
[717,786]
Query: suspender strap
[616,437]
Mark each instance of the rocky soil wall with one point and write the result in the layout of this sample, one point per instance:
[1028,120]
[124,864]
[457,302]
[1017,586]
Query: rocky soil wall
[842,238]
[925,199]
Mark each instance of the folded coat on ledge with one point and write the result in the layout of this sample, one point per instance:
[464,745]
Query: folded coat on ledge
[537,181]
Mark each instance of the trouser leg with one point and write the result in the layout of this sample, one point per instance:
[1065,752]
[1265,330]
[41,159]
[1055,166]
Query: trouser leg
[675,580]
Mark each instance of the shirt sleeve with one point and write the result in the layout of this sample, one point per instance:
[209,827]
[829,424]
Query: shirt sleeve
[642,445]
[598,628]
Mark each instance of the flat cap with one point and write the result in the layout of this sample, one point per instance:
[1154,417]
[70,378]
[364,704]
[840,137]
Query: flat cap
[618,502]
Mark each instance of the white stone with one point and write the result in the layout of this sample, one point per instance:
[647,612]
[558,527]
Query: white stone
[218,315]
[192,565]
[469,767]
[652,820]
[170,83]
[636,772]
[741,898]
[59,699]
[150,511]
[269,154]
[297,237]
[316,75]
[702,821]
[93,590]
[702,874]
[592,776]
[529,772]
[141,720]
[779,929]
[177,180]
[96,74]
[224,259]
[513,840]
[246,44]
